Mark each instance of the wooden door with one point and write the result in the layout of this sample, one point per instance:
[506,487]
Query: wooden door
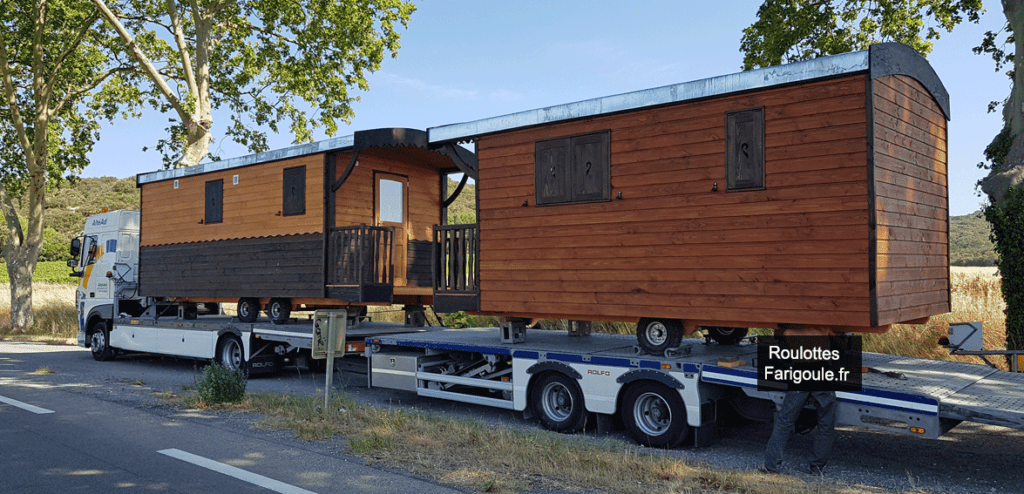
[391,209]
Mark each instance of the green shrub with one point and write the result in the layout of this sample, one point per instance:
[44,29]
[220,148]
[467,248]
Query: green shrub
[221,385]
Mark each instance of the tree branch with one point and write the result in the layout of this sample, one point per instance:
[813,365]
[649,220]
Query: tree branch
[179,39]
[147,66]
[75,93]
[12,101]
[71,47]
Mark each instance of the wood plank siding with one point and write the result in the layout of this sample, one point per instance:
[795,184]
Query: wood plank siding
[252,208]
[289,266]
[678,246]
[911,201]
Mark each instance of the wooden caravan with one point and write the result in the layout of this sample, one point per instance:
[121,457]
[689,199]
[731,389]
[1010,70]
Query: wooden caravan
[806,195]
[345,221]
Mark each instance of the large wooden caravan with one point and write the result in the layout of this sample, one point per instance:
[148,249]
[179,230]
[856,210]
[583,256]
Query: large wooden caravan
[346,221]
[808,195]
[811,194]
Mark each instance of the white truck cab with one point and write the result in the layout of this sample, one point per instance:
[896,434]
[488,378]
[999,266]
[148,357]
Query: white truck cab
[105,258]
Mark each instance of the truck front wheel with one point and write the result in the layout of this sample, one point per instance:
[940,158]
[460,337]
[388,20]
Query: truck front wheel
[654,415]
[99,342]
[248,309]
[230,353]
[558,401]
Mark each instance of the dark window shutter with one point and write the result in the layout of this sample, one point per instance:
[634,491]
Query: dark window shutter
[294,193]
[551,161]
[214,201]
[591,168]
[744,144]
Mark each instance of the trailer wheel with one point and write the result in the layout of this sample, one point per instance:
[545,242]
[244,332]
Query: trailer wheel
[248,309]
[99,342]
[279,309]
[726,336]
[558,401]
[657,335]
[654,415]
[230,353]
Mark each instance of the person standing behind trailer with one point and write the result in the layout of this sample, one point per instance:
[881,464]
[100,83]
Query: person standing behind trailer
[786,414]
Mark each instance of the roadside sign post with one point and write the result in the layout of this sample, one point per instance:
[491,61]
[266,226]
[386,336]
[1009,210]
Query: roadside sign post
[329,328]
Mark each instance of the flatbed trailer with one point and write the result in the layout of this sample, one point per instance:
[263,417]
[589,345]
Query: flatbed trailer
[565,381]
[257,347]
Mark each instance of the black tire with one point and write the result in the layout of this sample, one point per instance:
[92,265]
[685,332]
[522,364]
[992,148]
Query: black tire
[558,402]
[248,309]
[657,335]
[726,336]
[230,353]
[654,415]
[279,309]
[99,342]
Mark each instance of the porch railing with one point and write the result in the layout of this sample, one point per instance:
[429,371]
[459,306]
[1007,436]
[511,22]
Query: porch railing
[361,255]
[456,261]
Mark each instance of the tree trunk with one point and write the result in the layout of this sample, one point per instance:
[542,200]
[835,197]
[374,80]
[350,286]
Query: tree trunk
[20,273]
[198,142]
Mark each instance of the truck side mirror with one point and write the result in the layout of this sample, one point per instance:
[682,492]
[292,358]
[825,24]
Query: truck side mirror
[76,248]
[72,263]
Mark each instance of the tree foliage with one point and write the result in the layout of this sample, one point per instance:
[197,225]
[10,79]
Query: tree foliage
[57,64]
[256,59]
[794,30]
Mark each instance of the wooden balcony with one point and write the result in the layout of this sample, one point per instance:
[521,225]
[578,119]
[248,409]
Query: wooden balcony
[359,266]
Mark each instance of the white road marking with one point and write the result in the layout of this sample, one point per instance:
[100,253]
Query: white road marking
[24,406]
[235,472]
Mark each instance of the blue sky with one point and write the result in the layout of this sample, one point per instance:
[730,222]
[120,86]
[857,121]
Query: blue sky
[467,60]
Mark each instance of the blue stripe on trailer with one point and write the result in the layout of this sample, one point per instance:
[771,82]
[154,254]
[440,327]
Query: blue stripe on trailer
[894,401]
[726,375]
[446,346]
[867,396]
[526,354]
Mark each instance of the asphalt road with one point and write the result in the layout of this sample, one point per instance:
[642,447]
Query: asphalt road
[94,428]
[108,430]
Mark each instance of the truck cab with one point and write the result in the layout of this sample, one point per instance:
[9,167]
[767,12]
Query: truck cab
[105,259]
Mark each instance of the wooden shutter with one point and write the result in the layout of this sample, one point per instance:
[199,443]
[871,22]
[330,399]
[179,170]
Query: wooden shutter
[744,147]
[214,201]
[591,168]
[294,193]
[551,172]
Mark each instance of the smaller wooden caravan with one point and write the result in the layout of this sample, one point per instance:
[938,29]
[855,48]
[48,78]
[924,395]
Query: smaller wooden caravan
[806,195]
[345,221]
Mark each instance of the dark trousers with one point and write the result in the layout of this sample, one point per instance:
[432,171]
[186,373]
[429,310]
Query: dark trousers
[785,420]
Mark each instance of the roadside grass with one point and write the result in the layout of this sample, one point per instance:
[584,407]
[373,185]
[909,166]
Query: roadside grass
[480,457]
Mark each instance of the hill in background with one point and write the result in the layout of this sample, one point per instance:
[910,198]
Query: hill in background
[969,243]
[67,208]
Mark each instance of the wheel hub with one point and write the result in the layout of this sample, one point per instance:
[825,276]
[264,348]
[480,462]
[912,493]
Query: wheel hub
[657,333]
